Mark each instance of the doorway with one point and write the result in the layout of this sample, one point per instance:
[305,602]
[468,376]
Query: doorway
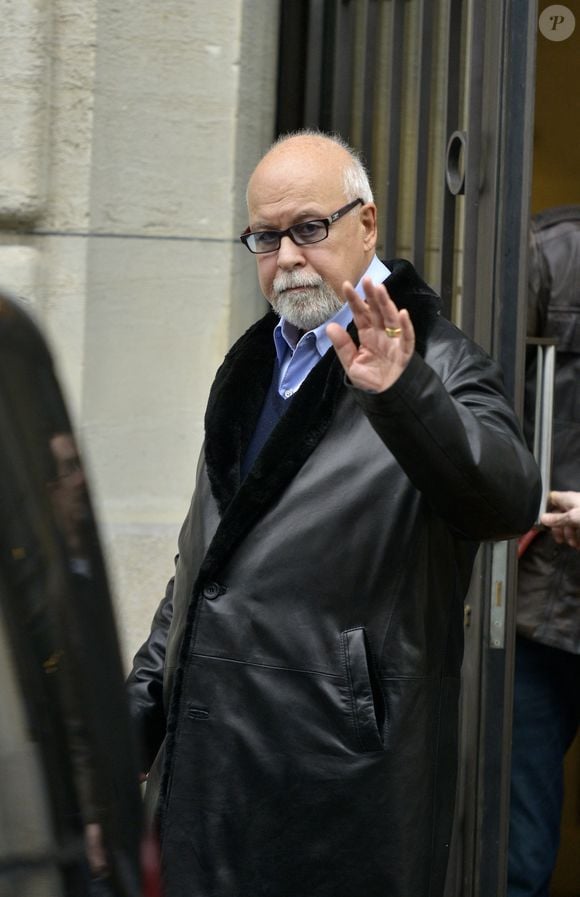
[555,182]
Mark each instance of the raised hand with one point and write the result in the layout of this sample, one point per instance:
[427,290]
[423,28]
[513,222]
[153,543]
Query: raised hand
[387,338]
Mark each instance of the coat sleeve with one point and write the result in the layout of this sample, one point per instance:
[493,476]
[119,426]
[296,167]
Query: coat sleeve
[451,428]
[145,682]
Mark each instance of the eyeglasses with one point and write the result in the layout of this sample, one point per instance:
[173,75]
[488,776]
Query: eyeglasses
[302,234]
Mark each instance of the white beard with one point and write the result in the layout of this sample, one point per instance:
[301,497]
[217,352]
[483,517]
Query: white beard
[305,308]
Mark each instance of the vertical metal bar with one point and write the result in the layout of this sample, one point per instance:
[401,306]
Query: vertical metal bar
[394,142]
[292,64]
[498,597]
[343,69]
[514,195]
[544,413]
[326,63]
[538,403]
[473,172]
[506,114]
[424,105]
[545,459]
[312,93]
[453,76]
[370,54]
[500,54]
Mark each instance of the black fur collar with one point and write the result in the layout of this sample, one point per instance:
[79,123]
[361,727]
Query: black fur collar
[236,399]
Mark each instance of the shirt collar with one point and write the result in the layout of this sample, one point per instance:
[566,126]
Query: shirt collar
[285,333]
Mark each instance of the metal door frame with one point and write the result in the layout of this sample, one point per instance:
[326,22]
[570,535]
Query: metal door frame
[498,188]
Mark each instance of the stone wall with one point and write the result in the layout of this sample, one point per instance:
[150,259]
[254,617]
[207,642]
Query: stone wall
[132,128]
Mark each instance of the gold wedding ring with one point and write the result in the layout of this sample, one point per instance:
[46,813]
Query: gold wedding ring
[392,332]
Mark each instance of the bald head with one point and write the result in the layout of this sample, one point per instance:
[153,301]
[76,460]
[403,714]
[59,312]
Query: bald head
[330,150]
[308,177]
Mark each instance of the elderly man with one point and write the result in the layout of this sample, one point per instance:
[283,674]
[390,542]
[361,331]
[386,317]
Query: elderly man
[297,696]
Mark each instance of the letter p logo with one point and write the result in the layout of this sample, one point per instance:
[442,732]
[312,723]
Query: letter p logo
[557,22]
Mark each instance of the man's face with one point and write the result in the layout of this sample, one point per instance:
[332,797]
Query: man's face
[301,181]
[68,489]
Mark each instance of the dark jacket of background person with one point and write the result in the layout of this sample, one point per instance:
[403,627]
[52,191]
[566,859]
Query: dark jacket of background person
[549,574]
[309,650]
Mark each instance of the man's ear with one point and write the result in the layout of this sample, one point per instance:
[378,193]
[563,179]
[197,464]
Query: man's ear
[368,219]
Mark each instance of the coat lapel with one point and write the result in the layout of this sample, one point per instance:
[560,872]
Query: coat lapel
[291,442]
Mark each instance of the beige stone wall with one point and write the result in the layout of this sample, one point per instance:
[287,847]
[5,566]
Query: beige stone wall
[132,129]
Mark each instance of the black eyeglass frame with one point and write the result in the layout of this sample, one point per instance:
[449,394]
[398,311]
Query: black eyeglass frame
[289,232]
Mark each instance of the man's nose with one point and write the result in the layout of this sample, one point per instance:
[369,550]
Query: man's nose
[290,255]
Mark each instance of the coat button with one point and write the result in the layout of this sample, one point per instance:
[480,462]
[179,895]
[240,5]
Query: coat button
[211,591]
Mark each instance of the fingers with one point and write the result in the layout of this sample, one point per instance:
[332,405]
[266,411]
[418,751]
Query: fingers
[343,344]
[361,311]
[572,536]
[379,311]
[564,501]
[407,338]
[386,338]
[563,519]
[95,849]
[565,527]
[567,535]
[552,520]
[385,311]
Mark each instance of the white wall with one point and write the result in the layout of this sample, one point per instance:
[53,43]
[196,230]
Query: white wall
[133,128]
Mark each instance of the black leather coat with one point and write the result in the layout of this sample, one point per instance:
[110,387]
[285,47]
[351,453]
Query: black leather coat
[549,574]
[315,624]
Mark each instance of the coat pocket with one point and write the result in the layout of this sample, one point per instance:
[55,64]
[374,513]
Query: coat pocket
[366,698]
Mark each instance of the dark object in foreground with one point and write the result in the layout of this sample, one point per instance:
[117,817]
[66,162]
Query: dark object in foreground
[70,806]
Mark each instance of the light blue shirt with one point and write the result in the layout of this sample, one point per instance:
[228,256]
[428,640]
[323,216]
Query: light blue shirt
[296,359]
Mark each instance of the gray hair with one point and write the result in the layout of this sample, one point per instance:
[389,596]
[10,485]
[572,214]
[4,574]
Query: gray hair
[355,178]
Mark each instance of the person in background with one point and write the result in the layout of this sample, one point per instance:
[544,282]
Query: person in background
[298,695]
[547,668]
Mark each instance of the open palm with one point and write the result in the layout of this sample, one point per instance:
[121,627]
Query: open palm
[379,360]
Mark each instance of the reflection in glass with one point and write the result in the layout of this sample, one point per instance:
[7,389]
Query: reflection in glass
[66,730]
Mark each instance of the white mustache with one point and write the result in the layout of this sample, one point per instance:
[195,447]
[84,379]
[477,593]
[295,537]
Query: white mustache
[292,279]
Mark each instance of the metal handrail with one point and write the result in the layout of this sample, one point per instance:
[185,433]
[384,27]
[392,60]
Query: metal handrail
[544,412]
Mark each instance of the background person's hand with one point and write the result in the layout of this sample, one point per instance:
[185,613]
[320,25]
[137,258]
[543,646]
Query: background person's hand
[95,850]
[563,518]
[380,359]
